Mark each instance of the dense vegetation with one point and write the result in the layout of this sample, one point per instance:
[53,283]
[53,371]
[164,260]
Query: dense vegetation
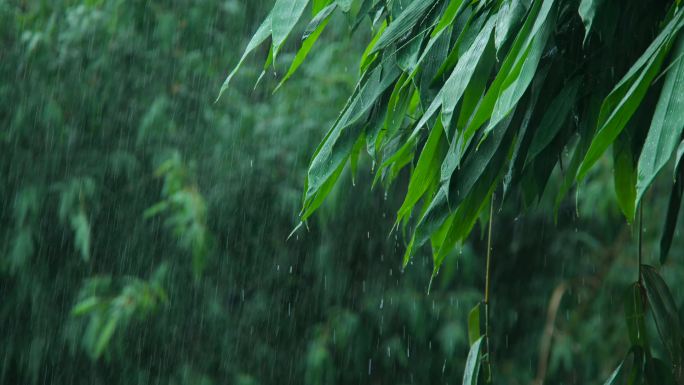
[486,95]
[143,227]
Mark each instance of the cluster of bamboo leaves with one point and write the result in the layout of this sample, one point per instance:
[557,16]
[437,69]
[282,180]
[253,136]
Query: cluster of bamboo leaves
[471,95]
[474,96]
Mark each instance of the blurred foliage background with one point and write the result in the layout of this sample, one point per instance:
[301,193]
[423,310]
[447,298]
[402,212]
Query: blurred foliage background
[143,228]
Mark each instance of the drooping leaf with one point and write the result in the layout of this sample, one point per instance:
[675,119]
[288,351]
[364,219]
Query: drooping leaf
[261,34]
[313,31]
[509,16]
[525,65]
[666,126]
[624,175]
[474,320]
[615,374]
[338,143]
[587,11]
[625,98]
[635,313]
[398,28]
[673,207]
[426,171]
[664,313]
[534,30]
[285,15]
[472,366]
[554,118]
[658,372]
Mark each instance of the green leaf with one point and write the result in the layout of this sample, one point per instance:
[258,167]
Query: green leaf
[509,16]
[338,142]
[616,373]
[525,65]
[318,5]
[81,227]
[635,316]
[555,116]
[626,97]
[509,75]
[664,313]
[285,15]
[85,306]
[481,49]
[586,132]
[666,126]
[587,11]
[447,18]
[426,172]
[399,27]
[261,34]
[522,142]
[474,320]
[105,335]
[658,372]
[673,208]
[313,31]
[472,366]
[624,175]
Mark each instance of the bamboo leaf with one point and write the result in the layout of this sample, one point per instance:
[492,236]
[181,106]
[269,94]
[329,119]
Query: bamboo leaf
[426,171]
[525,65]
[664,313]
[625,98]
[587,11]
[616,373]
[472,366]
[666,126]
[313,31]
[624,176]
[398,28]
[673,208]
[635,316]
[261,34]
[555,116]
[474,320]
[285,13]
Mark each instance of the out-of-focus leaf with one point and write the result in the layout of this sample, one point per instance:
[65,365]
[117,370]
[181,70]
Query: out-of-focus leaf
[472,366]
[261,34]
[85,306]
[673,207]
[616,373]
[635,316]
[666,127]
[658,372]
[664,313]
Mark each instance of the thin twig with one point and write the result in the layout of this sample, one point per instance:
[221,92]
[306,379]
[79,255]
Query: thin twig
[487,280]
[641,229]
